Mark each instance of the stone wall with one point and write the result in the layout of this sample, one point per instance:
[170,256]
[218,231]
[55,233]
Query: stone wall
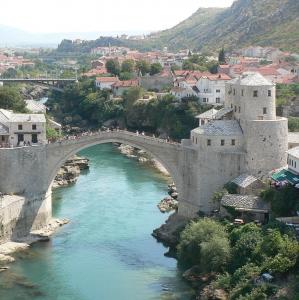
[266,145]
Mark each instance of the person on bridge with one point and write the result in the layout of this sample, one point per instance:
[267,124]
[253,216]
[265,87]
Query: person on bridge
[137,132]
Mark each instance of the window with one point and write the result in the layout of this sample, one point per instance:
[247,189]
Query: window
[193,139]
[202,122]
[255,93]
[269,93]
[217,100]
[34,138]
[234,92]
[3,138]
[231,106]
[235,108]
[242,93]
[204,99]
[222,142]
[239,109]
[20,127]
[233,142]
[33,126]
[196,141]
[209,142]
[265,110]
[217,91]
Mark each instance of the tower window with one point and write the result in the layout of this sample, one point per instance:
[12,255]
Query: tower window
[269,93]
[209,142]
[242,92]
[217,100]
[264,110]
[239,109]
[33,126]
[235,108]
[233,142]
[222,142]
[20,127]
[255,93]
[217,91]
[234,91]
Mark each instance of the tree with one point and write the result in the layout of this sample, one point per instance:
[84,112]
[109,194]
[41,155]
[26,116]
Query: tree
[156,68]
[197,241]
[221,56]
[125,76]
[143,67]
[113,67]
[128,66]
[10,98]
[215,254]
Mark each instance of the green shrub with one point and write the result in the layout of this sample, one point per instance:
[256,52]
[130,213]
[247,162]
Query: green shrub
[204,242]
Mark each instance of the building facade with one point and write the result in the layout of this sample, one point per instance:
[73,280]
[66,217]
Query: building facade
[21,129]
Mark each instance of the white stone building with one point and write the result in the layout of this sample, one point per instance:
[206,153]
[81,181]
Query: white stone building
[293,160]
[17,129]
[211,88]
[103,83]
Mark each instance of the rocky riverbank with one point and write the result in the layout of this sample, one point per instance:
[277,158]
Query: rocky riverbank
[169,203]
[33,91]
[142,157]
[10,247]
[70,171]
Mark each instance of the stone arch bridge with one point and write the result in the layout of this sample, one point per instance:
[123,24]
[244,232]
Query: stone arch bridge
[28,172]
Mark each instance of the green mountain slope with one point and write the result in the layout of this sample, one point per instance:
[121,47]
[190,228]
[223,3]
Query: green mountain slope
[260,22]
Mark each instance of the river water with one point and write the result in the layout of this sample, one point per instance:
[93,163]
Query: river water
[106,252]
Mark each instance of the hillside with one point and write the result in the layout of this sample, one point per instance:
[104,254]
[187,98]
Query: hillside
[265,23]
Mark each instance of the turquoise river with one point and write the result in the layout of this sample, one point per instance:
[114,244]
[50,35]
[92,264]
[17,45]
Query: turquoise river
[106,252]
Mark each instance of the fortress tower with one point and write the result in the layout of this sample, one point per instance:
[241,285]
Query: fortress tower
[244,137]
[252,99]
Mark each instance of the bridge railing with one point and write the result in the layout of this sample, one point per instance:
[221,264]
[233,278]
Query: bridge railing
[85,135]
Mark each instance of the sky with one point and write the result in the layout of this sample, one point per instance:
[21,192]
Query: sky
[99,15]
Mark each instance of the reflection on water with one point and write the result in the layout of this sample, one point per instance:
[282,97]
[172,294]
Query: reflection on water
[107,251]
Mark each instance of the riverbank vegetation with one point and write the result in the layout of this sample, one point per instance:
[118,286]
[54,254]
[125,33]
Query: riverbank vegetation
[10,98]
[81,105]
[231,260]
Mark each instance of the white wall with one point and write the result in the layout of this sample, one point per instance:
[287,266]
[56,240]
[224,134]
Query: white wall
[293,163]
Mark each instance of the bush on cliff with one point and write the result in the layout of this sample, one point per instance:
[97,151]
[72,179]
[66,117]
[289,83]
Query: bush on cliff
[204,243]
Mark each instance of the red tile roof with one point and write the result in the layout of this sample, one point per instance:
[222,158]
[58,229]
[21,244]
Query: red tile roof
[107,79]
[126,83]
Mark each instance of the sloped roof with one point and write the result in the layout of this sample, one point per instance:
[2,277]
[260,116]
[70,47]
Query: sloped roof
[251,79]
[9,116]
[220,127]
[209,114]
[107,79]
[3,129]
[245,202]
[244,180]
[294,152]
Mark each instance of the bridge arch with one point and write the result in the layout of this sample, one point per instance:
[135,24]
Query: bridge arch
[166,153]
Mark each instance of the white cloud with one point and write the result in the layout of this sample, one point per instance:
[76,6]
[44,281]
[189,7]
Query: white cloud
[99,15]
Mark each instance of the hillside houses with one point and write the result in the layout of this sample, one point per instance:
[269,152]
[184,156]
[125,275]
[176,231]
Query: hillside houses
[209,88]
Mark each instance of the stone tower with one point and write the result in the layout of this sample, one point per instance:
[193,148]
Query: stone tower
[252,99]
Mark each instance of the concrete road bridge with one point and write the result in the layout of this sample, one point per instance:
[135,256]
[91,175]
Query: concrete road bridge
[53,83]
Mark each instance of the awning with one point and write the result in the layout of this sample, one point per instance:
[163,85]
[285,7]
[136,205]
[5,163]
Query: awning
[286,175]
